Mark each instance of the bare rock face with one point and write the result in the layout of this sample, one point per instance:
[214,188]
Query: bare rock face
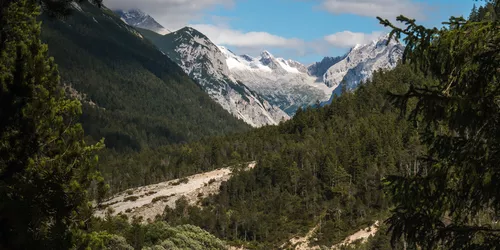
[137,18]
[283,83]
[290,85]
[205,63]
[360,63]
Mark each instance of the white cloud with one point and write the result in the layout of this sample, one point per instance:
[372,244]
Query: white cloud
[254,42]
[347,39]
[250,40]
[372,8]
[173,14]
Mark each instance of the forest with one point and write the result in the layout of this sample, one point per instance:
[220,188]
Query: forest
[415,147]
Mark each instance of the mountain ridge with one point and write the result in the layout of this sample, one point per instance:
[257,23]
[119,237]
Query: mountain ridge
[142,98]
[137,18]
[283,83]
[280,83]
[362,60]
[204,63]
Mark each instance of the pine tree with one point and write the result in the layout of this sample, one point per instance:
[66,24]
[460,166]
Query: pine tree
[453,200]
[46,169]
[473,14]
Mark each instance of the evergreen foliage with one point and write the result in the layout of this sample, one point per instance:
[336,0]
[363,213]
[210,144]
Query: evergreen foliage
[118,233]
[325,165]
[451,200]
[46,168]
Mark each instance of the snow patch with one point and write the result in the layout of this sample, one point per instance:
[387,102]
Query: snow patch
[287,67]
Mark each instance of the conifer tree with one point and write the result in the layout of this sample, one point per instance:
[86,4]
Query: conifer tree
[473,14]
[453,200]
[46,168]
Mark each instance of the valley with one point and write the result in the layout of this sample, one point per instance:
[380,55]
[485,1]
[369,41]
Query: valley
[248,125]
[189,182]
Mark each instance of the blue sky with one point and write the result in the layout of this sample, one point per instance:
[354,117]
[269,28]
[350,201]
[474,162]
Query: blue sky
[303,30]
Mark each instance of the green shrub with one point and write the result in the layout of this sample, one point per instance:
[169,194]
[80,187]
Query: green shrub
[162,198]
[151,193]
[130,198]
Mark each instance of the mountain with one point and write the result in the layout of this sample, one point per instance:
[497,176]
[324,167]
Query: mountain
[290,85]
[205,64]
[134,96]
[318,69]
[360,63]
[137,18]
[255,88]
[284,83]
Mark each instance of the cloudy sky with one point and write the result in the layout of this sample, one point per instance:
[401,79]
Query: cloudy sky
[304,30]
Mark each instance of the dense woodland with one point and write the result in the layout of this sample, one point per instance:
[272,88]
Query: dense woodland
[327,164]
[122,235]
[417,145]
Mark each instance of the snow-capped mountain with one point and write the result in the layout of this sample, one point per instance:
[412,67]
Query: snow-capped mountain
[290,84]
[137,18]
[284,83]
[204,62]
[360,63]
[318,69]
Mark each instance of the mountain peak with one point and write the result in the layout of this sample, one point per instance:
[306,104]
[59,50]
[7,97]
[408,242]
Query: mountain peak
[131,13]
[138,12]
[193,32]
[379,41]
[318,69]
[247,57]
[382,40]
[265,54]
[383,36]
[137,18]
[208,65]
[189,28]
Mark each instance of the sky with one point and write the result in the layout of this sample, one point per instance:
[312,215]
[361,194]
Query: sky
[302,30]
